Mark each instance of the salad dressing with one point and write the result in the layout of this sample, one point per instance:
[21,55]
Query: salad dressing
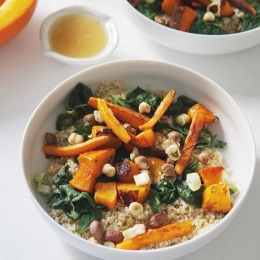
[77,36]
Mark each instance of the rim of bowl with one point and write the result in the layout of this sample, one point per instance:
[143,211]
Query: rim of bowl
[196,241]
[105,20]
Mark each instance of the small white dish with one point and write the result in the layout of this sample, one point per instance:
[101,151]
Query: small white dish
[106,21]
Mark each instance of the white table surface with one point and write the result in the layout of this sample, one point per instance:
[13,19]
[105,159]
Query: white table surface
[26,76]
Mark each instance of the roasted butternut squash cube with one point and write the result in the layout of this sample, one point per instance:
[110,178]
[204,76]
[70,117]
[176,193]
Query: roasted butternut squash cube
[216,198]
[211,175]
[106,194]
[97,158]
[129,192]
[126,170]
[155,167]
[84,179]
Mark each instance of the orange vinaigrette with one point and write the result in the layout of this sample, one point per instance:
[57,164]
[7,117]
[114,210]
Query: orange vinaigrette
[77,36]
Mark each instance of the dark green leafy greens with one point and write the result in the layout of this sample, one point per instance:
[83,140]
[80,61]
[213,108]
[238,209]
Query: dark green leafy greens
[64,120]
[167,191]
[154,200]
[77,102]
[185,193]
[78,205]
[84,130]
[203,27]
[191,197]
[63,176]
[138,95]
[250,22]
[150,10]
[181,105]
[76,106]
[206,138]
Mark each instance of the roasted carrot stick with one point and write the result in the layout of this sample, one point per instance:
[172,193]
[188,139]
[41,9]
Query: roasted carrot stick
[123,114]
[243,5]
[189,145]
[112,122]
[76,149]
[166,102]
[201,118]
[157,235]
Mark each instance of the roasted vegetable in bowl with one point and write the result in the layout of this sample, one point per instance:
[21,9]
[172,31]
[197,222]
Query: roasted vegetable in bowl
[134,178]
[212,17]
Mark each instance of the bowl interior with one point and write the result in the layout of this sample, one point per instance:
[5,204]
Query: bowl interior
[231,127]
[106,21]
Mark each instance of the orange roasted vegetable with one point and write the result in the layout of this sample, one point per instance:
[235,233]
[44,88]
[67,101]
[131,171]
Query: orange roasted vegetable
[75,149]
[129,192]
[97,158]
[84,179]
[157,235]
[123,114]
[189,145]
[145,148]
[211,175]
[226,9]
[114,142]
[165,103]
[182,18]
[126,170]
[106,194]
[209,117]
[169,5]
[243,6]
[147,136]
[111,121]
[155,167]
[201,118]
[216,198]
[200,3]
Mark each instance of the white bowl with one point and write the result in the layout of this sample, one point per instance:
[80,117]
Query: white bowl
[106,21]
[190,42]
[232,127]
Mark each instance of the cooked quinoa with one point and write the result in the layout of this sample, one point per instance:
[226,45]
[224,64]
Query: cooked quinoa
[120,218]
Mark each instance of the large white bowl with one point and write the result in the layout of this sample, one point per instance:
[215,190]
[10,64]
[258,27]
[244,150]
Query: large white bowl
[190,42]
[231,127]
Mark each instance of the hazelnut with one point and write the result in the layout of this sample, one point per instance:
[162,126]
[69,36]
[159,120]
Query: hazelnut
[115,236]
[142,162]
[168,169]
[175,136]
[96,230]
[204,158]
[90,118]
[157,220]
[50,138]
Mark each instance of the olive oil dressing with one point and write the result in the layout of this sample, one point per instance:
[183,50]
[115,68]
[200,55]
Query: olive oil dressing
[77,36]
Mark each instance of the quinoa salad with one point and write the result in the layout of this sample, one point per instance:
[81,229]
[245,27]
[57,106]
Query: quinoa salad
[135,169]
